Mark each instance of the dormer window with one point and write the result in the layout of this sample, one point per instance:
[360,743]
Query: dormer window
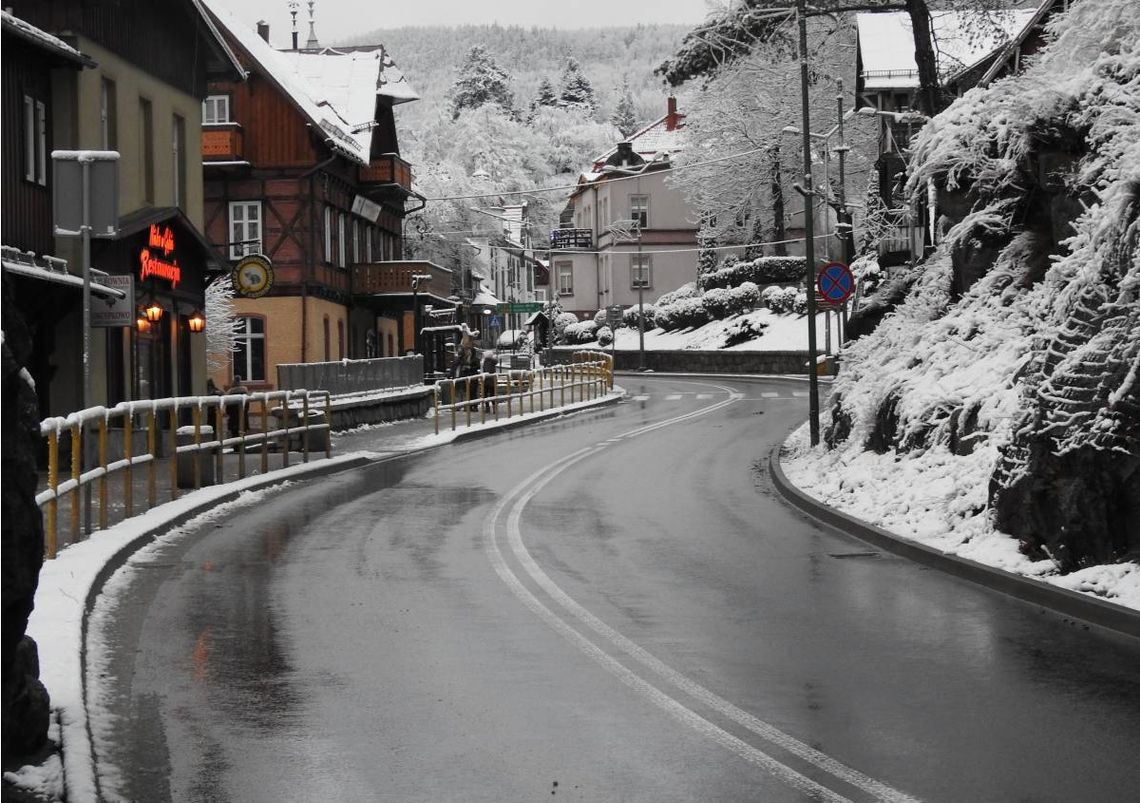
[216,110]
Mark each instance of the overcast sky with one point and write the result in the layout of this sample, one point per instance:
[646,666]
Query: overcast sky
[337,19]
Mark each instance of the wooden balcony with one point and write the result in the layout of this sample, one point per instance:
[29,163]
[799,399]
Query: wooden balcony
[223,143]
[395,278]
[388,169]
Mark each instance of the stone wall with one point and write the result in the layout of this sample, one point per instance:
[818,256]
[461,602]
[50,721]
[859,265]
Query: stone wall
[700,362]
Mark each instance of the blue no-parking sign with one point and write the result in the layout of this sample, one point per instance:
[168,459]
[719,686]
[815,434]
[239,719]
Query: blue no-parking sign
[835,282]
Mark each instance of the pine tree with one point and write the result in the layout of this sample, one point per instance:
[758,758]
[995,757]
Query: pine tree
[576,89]
[546,96]
[481,81]
[624,118]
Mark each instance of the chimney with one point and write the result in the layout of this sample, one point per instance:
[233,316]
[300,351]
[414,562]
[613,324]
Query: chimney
[672,118]
[263,30]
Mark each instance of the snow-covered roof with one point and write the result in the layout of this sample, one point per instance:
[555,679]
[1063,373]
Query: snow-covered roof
[1036,20]
[336,90]
[53,44]
[655,139]
[352,79]
[886,44]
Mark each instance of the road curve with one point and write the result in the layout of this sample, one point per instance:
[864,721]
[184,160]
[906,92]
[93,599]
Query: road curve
[610,606]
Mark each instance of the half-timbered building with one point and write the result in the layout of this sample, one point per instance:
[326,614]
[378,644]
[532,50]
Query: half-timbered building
[306,194]
[147,66]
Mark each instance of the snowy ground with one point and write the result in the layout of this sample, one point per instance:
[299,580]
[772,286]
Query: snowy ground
[781,333]
[938,499]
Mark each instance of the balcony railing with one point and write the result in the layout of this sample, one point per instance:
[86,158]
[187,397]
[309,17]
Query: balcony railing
[223,143]
[388,169]
[396,277]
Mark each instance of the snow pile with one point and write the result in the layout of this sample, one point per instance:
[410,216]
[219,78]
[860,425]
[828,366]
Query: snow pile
[982,396]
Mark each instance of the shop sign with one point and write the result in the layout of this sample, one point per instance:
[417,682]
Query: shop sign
[157,259]
[111,312]
[252,276]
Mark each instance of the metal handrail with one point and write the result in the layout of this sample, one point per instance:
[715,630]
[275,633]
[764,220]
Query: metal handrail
[208,442]
[589,377]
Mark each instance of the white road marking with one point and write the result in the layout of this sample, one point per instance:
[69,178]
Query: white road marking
[673,397]
[704,396]
[769,395]
[639,398]
[521,495]
[800,394]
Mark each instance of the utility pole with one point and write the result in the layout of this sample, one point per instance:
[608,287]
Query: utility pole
[809,234]
[844,218]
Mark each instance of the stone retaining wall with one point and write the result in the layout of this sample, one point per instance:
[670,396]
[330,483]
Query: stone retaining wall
[700,362]
[352,376]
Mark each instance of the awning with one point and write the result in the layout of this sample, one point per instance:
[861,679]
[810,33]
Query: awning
[55,270]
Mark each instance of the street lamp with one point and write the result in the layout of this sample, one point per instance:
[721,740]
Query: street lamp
[416,279]
[196,322]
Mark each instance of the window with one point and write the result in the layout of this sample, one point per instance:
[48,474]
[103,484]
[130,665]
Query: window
[216,109]
[639,210]
[328,233]
[178,159]
[146,150]
[108,115]
[565,278]
[540,296]
[640,270]
[35,140]
[342,240]
[249,351]
[325,327]
[245,228]
[368,234]
[356,241]
[340,338]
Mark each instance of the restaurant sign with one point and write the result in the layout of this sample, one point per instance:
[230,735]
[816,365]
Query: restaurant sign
[157,257]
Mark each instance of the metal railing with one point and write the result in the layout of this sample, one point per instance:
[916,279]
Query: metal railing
[589,376]
[195,451]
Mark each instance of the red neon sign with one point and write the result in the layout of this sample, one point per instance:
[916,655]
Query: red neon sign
[158,262]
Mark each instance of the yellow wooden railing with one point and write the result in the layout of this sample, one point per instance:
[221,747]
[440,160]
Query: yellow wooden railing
[289,412]
[589,376]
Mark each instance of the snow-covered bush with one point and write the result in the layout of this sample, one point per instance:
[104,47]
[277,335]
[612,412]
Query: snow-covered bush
[580,332]
[629,317]
[745,297]
[742,331]
[781,299]
[688,290]
[689,313]
[799,302]
[718,303]
[600,317]
[764,270]
[561,322]
[605,335]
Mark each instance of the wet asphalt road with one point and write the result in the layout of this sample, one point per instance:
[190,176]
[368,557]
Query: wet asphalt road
[611,606]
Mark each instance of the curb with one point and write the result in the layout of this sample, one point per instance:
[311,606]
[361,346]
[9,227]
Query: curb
[1106,615]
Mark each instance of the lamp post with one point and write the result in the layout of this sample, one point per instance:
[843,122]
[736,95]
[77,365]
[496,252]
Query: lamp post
[809,234]
[416,279]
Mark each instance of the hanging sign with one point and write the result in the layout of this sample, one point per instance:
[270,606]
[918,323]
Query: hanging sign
[252,276]
[157,258]
[111,311]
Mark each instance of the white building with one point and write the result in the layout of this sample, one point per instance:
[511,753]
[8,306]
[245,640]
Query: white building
[591,266]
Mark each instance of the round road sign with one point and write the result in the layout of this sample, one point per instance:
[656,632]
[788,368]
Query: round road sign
[835,282]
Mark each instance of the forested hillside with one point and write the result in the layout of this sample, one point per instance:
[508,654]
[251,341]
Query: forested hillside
[429,57]
[511,109]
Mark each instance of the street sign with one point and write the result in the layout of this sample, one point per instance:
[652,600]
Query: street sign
[495,323]
[525,306]
[112,312]
[835,282]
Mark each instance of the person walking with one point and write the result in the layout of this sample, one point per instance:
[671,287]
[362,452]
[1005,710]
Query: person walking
[490,382]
